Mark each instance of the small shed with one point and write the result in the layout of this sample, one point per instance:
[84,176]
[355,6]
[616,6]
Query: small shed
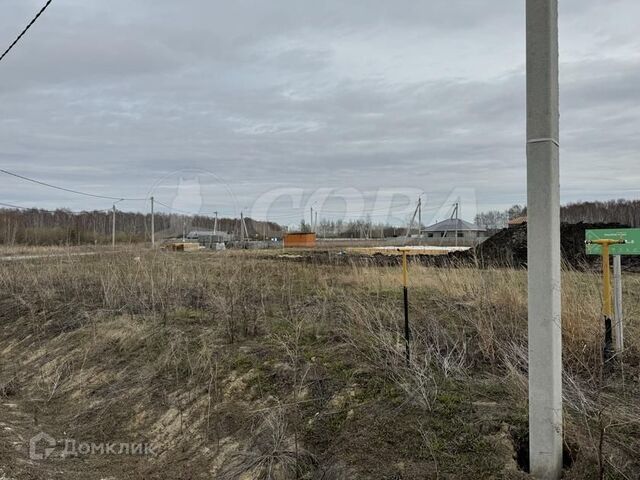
[300,239]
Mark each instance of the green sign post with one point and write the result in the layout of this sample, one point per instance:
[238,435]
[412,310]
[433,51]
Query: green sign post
[631,237]
[616,242]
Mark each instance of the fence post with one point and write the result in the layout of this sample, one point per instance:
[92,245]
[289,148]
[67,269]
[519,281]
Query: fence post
[617,296]
[407,329]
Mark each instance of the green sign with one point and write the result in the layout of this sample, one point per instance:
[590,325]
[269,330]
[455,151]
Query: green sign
[631,236]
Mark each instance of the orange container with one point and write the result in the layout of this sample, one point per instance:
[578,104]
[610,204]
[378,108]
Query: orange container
[299,239]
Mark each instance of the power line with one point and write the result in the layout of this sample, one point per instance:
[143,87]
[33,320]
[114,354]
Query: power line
[372,212]
[178,211]
[77,192]
[25,30]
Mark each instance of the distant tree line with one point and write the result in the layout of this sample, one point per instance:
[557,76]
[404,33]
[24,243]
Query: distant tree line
[622,211]
[43,227]
[360,228]
[62,227]
[496,219]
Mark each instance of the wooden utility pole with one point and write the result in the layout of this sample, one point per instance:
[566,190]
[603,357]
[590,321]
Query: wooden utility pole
[153,227]
[113,227]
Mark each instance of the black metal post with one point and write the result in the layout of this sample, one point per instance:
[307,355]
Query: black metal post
[407,330]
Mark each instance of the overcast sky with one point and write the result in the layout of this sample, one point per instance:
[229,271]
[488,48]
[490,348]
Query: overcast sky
[211,105]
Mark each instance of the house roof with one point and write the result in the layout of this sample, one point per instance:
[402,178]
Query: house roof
[207,233]
[453,224]
[200,233]
[518,220]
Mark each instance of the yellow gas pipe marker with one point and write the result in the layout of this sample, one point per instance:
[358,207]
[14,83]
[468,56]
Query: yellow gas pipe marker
[607,310]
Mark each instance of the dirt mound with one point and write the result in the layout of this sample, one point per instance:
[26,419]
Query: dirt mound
[509,247]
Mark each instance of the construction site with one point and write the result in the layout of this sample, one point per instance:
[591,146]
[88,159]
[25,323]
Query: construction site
[238,356]
[319,240]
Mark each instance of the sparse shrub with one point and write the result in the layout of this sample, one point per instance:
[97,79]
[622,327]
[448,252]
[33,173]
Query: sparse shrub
[271,453]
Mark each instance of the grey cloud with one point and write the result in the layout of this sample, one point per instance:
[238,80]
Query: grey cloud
[312,94]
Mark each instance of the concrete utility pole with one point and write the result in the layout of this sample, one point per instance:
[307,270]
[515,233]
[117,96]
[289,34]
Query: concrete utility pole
[543,240]
[311,220]
[408,234]
[241,226]
[419,217]
[215,223]
[153,226]
[456,214]
[113,227]
[617,303]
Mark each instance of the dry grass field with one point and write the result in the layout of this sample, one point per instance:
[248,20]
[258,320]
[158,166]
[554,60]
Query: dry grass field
[238,365]
[12,250]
